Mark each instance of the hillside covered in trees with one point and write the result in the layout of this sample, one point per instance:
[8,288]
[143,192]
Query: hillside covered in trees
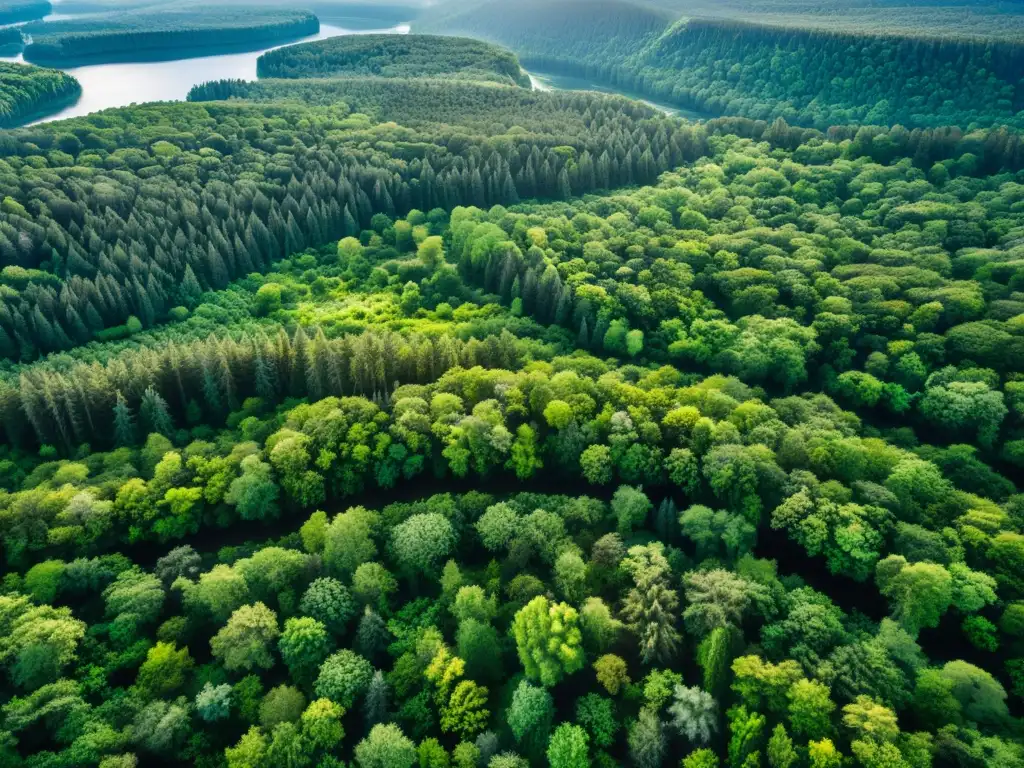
[13,11]
[417,422]
[811,76]
[27,91]
[400,56]
[164,32]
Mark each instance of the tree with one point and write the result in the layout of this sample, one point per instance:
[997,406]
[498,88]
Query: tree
[548,640]
[422,542]
[571,575]
[630,507]
[920,592]
[694,714]
[714,656]
[328,601]
[254,493]
[466,713]
[164,670]
[647,742]
[523,457]
[612,673]
[250,750]
[43,579]
[343,678]
[37,642]
[180,563]
[479,646]
[213,702]
[471,602]
[432,754]
[810,709]
[216,594]
[372,635]
[718,598]
[823,754]
[596,714]
[650,606]
[530,715]
[375,705]
[161,726]
[746,729]
[599,628]
[373,584]
[348,541]
[596,464]
[981,697]
[385,747]
[321,725]
[304,645]
[763,685]
[781,753]
[135,593]
[246,640]
[283,704]
[568,747]
[497,526]
[868,719]
[701,758]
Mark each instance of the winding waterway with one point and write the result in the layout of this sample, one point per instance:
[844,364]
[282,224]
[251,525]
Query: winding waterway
[547,82]
[124,83]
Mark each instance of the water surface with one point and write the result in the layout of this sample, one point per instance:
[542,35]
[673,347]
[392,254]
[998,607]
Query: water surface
[123,83]
[547,82]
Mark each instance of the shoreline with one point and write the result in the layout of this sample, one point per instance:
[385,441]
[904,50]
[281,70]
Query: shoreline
[171,52]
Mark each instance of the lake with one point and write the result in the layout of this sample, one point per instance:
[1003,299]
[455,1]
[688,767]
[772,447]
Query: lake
[124,83]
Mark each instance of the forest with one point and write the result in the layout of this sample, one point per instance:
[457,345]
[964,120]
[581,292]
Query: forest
[13,11]
[808,76]
[997,19]
[384,413]
[162,33]
[27,91]
[394,56]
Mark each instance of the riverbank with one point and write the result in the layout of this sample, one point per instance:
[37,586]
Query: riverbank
[547,81]
[125,83]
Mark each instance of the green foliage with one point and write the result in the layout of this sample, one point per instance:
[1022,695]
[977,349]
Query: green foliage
[430,342]
[164,33]
[568,747]
[344,677]
[548,640]
[394,56]
[30,91]
[385,747]
[246,641]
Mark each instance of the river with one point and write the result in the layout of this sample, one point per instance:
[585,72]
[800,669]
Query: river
[547,82]
[124,83]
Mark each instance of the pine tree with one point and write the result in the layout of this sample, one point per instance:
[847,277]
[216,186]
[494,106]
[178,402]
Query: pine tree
[155,414]
[375,704]
[124,424]
[583,340]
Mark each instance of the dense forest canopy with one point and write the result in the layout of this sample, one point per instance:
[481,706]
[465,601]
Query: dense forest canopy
[13,11]
[27,91]
[994,19]
[403,56]
[405,417]
[814,77]
[166,32]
